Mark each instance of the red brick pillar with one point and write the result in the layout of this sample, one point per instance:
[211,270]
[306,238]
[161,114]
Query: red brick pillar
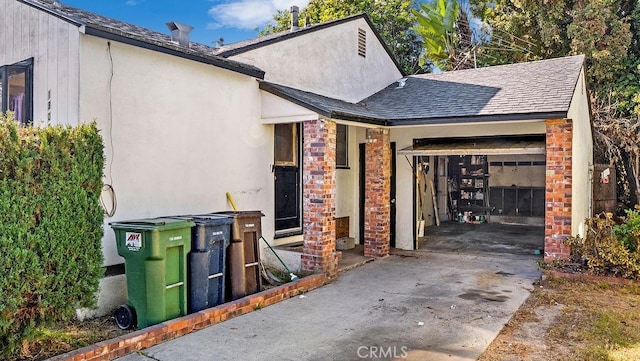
[319,189]
[557,215]
[377,222]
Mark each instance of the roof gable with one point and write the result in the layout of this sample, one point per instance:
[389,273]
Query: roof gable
[112,29]
[251,44]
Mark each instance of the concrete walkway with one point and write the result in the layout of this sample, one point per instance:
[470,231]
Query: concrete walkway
[436,306]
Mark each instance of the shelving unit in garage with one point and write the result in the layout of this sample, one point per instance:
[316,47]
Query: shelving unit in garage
[470,186]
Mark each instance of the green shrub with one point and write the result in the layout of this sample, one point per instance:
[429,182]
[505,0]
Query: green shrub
[604,251]
[50,226]
[629,231]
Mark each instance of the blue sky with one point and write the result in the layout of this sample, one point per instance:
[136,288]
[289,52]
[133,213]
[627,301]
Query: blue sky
[233,20]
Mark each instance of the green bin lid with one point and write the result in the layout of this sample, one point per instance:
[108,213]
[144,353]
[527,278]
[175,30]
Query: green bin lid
[161,223]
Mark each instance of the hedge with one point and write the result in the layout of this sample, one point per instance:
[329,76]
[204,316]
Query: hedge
[50,226]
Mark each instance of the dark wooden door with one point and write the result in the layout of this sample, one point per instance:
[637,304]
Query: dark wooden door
[287,198]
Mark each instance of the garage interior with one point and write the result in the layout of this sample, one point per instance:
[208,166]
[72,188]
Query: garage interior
[479,187]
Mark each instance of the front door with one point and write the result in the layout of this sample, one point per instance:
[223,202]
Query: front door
[288,210]
[287,205]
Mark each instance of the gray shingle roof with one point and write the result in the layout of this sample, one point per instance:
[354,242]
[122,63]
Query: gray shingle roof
[533,90]
[329,107]
[113,29]
[538,87]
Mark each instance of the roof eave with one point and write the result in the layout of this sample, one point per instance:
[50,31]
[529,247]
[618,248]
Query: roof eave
[104,33]
[275,91]
[329,113]
[478,118]
[66,18]
[358,118]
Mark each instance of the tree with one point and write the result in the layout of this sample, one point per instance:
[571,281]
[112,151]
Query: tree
[447,34]
[394,20]
[608,33]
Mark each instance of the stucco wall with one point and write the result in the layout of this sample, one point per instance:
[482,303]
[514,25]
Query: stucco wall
[326,62]
[53,43]
[582,157]
[404,138]
[347,186]
[178,135]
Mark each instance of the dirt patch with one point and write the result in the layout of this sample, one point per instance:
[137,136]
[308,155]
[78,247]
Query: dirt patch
[567,319]
[63,338]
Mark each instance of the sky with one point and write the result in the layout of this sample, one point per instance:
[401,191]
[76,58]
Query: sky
[232,20]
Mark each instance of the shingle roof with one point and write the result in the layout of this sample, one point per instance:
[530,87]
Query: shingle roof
[251,44]
[329,107]
[113,29]
[533,90]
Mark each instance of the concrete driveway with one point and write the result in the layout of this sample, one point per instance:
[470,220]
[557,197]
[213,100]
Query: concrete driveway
[434,306]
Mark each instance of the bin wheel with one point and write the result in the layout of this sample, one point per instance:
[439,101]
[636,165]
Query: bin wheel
[125,317]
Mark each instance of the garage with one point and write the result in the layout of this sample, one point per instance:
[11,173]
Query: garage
[473,181]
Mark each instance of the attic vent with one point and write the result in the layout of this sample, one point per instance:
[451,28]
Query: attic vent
[362,43]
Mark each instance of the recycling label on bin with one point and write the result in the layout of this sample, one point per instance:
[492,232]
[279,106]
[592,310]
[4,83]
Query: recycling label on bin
[133,241]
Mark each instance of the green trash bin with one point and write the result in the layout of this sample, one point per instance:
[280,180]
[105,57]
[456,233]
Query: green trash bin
[155,252]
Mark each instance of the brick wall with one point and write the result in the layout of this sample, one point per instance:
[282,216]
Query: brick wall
[319,188]
[377,193]
[557,217]
[153,335]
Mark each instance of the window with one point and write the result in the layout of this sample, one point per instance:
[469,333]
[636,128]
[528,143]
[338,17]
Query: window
[286,146]
[342,136]
[16,87]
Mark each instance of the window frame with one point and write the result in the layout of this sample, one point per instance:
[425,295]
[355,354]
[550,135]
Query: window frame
[293,136]
[25,66]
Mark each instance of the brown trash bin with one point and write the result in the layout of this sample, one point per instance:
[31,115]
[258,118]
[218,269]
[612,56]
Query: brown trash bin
[243,257]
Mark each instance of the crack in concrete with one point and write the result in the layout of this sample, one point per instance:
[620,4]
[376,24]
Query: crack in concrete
[141,353]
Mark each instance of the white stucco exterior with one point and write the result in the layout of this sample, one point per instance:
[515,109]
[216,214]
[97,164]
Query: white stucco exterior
[326,62]
[582,157]
[178,134]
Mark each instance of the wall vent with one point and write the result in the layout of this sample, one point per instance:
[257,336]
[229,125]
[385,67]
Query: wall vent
[362,43]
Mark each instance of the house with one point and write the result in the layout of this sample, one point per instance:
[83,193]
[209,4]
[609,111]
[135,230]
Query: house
[308,126]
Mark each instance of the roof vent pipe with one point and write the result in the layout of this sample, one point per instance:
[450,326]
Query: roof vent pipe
[295,11]
[180,32]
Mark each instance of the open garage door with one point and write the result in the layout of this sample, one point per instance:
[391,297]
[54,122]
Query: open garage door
[462,181]
[497,179]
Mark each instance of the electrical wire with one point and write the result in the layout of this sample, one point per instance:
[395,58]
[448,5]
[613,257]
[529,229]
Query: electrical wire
[108,187]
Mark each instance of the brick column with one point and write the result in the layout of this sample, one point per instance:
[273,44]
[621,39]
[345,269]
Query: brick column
[319,189]
[377,222]
[557,215]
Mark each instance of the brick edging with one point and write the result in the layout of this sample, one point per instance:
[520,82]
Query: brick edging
[168,330]
[589,277]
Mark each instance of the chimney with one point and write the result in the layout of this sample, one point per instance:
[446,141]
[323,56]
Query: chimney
[307,22]
[57,3]
[294,17]
[180,32]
